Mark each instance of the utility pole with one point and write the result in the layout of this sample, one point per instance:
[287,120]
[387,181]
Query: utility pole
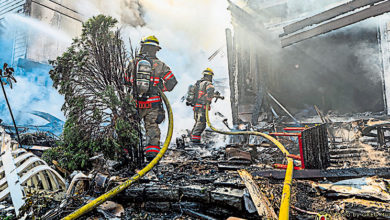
[8,74]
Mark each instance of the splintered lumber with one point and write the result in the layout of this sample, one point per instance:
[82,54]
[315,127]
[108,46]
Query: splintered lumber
[11,173]
[337,23]
[263,206]
[20,168]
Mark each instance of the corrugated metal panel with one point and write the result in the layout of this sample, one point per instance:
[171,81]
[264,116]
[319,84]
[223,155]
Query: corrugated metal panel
[11,6]
[20,39]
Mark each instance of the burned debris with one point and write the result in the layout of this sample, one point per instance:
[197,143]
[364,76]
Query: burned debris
[307,137]
[190,184]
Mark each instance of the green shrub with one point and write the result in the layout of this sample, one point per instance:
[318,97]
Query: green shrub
[99,106]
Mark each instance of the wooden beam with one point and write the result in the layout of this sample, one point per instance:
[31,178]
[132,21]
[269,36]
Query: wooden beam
[232,77]
[263,206]
[331,173]
[328,14]
[338,23]
[384,40]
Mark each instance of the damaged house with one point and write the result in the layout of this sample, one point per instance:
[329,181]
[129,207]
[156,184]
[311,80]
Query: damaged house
[294,58]
[334,59]
[312,75]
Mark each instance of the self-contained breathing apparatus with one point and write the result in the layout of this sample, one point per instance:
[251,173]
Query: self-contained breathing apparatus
[143,76]
[145,81]
[193,91]
[192,94]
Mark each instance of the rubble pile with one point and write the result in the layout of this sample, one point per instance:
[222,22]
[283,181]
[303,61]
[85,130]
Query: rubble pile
[202,186]
[187,180]
[39,139]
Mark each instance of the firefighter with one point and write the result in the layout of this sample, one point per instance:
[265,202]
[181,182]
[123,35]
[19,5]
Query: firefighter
[199,96]
[151,75]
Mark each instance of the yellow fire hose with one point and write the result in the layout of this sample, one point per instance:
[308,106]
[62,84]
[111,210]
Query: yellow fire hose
[96,202]
[285,203]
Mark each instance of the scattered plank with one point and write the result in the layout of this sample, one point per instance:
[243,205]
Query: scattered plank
[304,211]
[35,147]
[332,173]
[230,167]
[366,208]
[261,202]
[197,214]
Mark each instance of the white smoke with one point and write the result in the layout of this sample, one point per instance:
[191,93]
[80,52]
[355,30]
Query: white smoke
[125,11]
[301,8]
[27,96]
[28,24]
[32,92]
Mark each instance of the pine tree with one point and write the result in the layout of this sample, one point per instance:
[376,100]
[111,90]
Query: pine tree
[99,106]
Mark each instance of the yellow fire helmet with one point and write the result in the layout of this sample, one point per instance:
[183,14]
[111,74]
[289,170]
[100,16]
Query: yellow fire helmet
[208,71]
[150,40]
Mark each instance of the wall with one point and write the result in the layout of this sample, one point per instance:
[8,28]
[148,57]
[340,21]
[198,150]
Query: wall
[43,47]
[385,50]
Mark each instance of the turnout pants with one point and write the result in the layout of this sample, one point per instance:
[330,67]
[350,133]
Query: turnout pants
[200,124]
[149,115]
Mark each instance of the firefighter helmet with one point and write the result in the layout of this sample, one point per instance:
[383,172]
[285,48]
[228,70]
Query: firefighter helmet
[150,40]
[208,71]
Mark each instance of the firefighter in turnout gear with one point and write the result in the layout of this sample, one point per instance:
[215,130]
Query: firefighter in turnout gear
[199,95]
[149,76]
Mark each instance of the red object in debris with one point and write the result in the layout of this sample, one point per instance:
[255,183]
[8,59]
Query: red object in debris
[126,151]
[284,167]
[284,134]
[299,135]
[301,150]
[293,156]
[294,128]
[322,217]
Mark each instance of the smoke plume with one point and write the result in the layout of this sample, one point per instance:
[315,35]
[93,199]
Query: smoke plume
[127,12]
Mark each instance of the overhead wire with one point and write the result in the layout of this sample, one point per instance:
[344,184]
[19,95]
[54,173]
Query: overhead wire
[45,6]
